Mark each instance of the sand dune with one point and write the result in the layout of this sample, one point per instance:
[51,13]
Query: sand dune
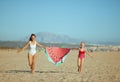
[104,68]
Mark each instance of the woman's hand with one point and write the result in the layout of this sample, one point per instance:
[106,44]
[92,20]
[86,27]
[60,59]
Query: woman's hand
[19,50]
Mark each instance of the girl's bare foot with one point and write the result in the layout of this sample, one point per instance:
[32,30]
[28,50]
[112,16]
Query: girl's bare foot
[79,70]
[30,66]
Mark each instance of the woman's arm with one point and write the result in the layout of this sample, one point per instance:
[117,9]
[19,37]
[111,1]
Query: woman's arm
[40,45]
[26,45]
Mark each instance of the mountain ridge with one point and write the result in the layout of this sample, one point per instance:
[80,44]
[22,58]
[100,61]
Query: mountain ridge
[48,37]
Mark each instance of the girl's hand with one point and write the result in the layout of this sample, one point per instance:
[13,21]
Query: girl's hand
[92,56]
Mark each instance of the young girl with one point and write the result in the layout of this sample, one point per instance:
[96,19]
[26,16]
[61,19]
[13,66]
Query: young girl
[32,51]
[81,56]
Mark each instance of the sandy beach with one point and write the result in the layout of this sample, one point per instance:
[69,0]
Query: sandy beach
[105,67]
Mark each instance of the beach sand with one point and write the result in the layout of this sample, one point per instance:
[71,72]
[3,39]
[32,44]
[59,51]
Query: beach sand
[105,67]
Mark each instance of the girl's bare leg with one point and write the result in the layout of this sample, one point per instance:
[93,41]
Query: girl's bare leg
[80,63]
[33,63]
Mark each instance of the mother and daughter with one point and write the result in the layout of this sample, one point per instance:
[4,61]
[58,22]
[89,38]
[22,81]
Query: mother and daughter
[32,54]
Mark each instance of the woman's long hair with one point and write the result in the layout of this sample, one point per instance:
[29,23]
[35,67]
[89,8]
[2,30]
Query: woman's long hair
[30,39]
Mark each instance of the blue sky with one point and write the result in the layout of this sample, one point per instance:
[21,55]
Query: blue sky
[92,20]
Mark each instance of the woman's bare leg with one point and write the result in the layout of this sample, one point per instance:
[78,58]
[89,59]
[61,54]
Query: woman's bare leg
[30,60]
[33,63]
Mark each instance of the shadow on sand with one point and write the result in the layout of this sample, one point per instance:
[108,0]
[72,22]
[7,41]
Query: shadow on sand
[27,71]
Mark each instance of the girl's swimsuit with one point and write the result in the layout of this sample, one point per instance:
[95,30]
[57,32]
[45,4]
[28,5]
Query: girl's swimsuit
[81,54]
[32,50]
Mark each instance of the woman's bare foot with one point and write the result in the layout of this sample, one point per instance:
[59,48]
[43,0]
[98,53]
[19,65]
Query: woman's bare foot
[32,71]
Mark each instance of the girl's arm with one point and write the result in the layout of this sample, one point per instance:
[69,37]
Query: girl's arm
[40,45]
[26,45]
[88,53]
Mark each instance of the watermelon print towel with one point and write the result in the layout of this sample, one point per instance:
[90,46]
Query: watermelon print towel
[56,55]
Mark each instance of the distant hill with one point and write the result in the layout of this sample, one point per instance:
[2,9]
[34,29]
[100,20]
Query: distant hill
[51,39]
[20,44]
[46,37]
[11,44]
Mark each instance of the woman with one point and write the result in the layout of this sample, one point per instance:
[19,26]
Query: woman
[32,51]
